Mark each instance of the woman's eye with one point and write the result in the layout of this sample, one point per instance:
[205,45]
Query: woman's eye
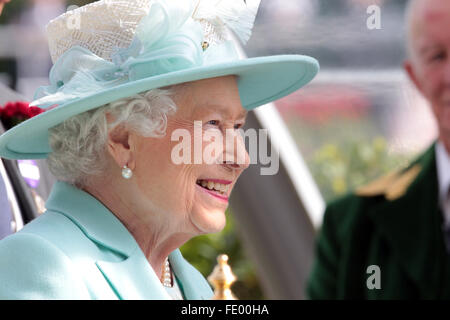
[213,122]
[238,126]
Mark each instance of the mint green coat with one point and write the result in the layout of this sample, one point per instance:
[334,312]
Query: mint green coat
[79,250]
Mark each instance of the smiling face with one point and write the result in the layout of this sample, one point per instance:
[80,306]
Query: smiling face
[429,63]
[183,193]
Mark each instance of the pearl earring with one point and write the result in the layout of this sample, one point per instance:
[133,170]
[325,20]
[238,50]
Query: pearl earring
[126,172]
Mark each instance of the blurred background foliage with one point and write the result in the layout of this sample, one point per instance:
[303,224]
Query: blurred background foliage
[345,153]
[340,168]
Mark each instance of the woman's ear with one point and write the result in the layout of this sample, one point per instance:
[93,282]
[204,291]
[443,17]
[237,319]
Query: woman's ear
[118,145]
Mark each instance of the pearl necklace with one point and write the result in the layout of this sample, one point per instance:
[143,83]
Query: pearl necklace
[167,275]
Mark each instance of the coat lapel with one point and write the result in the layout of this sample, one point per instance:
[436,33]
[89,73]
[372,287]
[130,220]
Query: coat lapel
[133,278]
[411,224]
[192,283]
[92,217]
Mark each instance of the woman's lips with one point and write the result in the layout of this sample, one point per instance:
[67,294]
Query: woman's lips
[218,181]
[213,193]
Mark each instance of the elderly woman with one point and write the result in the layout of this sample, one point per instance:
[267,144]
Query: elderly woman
[128,76]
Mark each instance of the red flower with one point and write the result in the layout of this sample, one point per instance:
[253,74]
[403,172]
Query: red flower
[34,111]
[14,113]
[9,110]
[22,109]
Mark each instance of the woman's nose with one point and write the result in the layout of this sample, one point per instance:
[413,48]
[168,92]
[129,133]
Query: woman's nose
[235,153]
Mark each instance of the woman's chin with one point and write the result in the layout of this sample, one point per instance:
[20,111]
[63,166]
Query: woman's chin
[209,221]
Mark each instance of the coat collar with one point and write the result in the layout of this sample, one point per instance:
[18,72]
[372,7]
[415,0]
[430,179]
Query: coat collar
[92,217]
[412,225]
[132,277]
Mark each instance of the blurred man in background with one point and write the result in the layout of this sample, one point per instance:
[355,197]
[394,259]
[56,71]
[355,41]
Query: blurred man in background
[391,238]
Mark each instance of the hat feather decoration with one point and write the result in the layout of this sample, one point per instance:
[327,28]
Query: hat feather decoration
[237,15]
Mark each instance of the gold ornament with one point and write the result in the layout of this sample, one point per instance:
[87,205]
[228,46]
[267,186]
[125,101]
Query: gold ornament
[221,279]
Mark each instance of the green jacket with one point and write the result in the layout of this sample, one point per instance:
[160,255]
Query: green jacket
[394,223]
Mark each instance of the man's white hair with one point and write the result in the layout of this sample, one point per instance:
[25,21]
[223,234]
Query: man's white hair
[79,143]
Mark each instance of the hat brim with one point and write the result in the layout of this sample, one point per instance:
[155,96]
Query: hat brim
[260,81]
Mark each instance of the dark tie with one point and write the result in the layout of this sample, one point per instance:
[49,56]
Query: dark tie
[6,216]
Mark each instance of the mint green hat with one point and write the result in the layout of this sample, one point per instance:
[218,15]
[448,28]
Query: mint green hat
[112,49]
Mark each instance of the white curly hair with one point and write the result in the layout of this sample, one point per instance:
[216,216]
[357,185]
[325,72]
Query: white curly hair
[79,143]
